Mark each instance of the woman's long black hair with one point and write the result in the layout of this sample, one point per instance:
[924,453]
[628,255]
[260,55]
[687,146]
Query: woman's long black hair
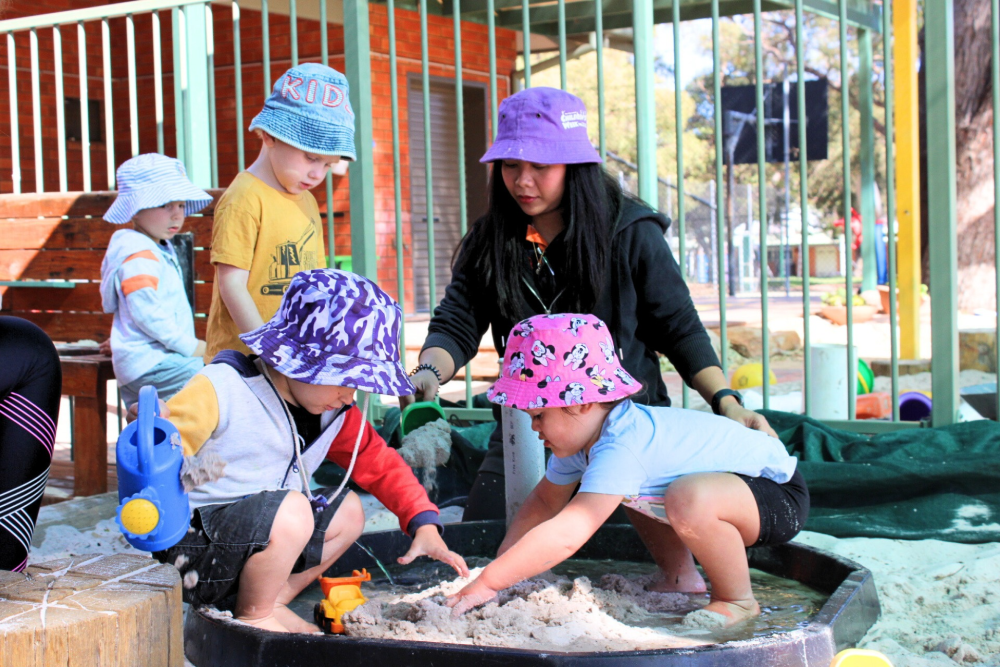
[591,204]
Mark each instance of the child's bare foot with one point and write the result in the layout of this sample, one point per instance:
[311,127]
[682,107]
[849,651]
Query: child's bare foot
[684,582]
[293,621]
[268,622]
[719,614]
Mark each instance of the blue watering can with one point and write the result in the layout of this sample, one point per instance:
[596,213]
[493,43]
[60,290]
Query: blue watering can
[153,511]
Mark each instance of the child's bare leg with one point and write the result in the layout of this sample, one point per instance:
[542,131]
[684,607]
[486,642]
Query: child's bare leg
[716,516]
[677,570]
[346,526]
[265,572]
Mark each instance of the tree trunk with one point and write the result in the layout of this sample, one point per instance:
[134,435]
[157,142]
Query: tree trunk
[975,151]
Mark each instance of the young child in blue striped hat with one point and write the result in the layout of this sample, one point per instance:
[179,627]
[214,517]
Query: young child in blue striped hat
[152,339]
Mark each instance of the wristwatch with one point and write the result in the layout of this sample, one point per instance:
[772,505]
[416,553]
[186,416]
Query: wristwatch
[721,394]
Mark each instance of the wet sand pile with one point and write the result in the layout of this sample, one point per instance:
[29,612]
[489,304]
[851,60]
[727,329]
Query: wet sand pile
[553,613]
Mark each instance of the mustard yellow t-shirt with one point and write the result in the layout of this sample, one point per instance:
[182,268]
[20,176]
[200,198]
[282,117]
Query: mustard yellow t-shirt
[272,234]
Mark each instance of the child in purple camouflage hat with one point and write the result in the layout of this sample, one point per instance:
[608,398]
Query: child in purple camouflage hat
[259,536]
[692,483]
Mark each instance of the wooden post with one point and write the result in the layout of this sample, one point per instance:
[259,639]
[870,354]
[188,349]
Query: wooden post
[86,379]
[104,611]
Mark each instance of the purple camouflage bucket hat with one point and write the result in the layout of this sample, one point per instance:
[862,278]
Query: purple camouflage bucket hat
[544,126]
[335,328]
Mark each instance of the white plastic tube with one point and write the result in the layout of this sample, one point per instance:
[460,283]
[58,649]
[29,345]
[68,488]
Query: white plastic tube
[828,381]
[524,458]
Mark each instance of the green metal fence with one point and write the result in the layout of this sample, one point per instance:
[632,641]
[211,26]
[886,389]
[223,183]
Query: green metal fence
[860,21]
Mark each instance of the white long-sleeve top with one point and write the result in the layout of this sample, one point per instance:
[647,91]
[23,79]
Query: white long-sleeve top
[141,284]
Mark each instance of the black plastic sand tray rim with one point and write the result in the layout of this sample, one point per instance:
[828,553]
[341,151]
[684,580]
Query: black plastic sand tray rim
[850,611]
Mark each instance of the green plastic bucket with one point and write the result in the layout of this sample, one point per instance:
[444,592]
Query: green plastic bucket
[417,414]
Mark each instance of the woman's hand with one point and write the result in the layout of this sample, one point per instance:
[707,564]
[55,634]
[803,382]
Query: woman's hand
[733,410]
[473,595]
[427,386]
[427,542]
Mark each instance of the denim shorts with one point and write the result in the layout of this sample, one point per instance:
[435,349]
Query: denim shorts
[223,537]
[783,508]
[169,377]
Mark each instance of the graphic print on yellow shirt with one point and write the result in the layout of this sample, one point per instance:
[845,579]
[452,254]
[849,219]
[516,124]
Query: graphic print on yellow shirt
[271,234]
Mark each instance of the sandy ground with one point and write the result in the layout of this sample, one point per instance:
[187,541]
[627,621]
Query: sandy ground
[940,600]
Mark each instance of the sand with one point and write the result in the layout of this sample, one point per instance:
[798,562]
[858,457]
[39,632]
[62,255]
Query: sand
[553,613]
[940,600]
[64,541]
[426,448]
[201,469]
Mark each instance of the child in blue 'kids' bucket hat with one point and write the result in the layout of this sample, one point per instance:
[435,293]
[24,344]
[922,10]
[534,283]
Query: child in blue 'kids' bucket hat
[259,536]
[267,224]
[152,338]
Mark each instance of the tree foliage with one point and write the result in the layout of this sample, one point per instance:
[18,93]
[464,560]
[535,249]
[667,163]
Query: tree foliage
[619,96]
[822,44]
[821,36]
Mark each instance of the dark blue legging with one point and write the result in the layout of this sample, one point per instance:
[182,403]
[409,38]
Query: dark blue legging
[30,386]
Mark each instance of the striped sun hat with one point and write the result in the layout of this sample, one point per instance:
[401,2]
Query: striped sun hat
[151,180]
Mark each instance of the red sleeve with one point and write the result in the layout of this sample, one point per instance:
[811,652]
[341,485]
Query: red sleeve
[379,469]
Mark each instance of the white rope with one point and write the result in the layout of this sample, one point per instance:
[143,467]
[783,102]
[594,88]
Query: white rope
[357,445]
[299,442]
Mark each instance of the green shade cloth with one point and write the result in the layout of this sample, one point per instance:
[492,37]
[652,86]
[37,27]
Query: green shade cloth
[928,483]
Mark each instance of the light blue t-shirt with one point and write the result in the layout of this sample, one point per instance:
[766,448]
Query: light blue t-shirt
[642,449]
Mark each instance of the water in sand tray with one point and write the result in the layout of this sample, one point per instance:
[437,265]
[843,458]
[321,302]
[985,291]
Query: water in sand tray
[785,604]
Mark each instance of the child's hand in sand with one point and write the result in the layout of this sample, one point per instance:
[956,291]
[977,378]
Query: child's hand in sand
[427,542]
[473,595]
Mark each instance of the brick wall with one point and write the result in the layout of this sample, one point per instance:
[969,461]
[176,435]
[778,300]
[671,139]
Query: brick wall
[475,69]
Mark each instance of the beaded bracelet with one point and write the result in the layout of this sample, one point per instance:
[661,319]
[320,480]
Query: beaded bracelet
[427,367]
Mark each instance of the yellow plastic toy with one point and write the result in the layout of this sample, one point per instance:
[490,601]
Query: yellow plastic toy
[341,595]
[751,375]
[858,657]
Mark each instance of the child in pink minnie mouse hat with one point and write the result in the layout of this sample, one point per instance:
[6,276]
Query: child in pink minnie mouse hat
[692,483]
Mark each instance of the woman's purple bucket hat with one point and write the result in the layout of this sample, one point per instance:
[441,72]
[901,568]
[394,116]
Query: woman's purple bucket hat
[335,328]
[544,126]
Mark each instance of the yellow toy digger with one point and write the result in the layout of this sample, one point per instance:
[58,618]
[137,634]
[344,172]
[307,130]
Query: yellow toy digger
[340,595]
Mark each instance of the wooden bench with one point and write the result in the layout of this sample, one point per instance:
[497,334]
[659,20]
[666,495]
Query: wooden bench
[61,237]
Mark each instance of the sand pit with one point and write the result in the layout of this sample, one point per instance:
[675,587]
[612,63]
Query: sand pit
[580,607]
[940,600]
[552,613]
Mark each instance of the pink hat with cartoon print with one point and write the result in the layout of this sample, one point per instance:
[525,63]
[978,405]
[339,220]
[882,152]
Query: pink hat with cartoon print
[558,360]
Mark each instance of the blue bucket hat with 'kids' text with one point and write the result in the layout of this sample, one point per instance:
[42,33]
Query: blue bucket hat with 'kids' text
[151,180]
[544,126]
[335,328]
[310,108]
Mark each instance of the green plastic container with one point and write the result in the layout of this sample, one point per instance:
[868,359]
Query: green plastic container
[866,378]
[417,414]
[343,262]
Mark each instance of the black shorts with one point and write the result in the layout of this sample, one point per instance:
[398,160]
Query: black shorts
[222,538]
[783,508]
